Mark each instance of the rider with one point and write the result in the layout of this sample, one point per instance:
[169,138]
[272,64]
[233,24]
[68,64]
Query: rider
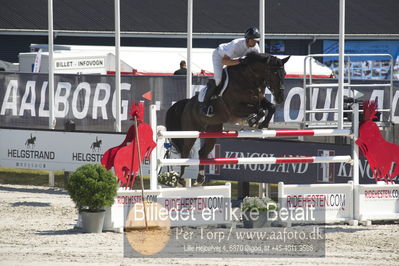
[228,54]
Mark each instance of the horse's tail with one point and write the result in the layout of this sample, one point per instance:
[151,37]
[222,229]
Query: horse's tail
[173,121]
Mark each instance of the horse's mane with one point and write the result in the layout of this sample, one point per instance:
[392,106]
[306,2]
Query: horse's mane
[271,60]
[256,57]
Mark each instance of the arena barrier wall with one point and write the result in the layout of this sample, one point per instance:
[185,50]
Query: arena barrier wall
[341,202]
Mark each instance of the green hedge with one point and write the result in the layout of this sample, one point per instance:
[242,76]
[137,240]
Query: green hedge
[92,187]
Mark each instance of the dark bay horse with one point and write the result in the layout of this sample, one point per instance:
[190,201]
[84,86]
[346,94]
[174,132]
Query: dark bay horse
[243,97]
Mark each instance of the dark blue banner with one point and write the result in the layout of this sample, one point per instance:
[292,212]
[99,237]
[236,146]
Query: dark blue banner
[288,173]
[89,100]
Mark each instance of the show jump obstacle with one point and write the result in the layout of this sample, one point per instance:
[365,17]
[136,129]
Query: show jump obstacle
[332,202]
[351,159]
[162,134]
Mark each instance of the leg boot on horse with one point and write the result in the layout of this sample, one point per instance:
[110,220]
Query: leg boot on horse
[206,108]
[254,118]
[271,109]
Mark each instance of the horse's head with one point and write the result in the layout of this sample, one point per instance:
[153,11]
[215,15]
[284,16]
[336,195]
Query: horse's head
[270,70]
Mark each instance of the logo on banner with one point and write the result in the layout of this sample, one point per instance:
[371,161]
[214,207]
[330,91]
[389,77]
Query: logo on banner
[215,153]
[89,157]
[325,171]
[30,142]
[24,153]
[96,146]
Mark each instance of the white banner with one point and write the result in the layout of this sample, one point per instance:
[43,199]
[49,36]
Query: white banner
[377,202]
[208,205]
[316,203]
[54,150]
[75,63]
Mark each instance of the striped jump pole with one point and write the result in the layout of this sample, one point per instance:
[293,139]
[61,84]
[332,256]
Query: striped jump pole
[258,160]
[264,133]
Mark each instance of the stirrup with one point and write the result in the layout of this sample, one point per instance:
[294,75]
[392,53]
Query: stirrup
[208,111]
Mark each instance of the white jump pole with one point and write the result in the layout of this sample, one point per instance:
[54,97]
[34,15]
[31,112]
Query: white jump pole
[262,25]
[51,120]
[355,166]
[341,70]
[355,152]
[189,91]
[154,154]
[264,133]
[257,160]
[118,124]
[51,179]
[263,187]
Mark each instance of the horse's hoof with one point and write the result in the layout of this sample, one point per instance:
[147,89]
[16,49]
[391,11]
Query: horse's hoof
[201,179]
[262,125]
[252,120]
[181,182]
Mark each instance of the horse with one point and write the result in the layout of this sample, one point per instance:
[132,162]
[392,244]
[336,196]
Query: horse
[96,144]
[243,97]
[30,143]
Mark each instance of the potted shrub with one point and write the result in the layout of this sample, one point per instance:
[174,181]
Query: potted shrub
[169,179]
[92,188]
[254,211]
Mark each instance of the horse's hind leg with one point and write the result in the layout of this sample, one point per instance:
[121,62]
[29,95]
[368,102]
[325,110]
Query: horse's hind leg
[185,153]
[203,153]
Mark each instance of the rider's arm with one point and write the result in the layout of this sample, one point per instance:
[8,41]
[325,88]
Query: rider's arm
[227,61]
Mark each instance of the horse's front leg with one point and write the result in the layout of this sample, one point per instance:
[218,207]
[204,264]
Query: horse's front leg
[271,109]
[254,118]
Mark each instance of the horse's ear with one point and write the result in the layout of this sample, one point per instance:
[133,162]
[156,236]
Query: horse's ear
[284,60]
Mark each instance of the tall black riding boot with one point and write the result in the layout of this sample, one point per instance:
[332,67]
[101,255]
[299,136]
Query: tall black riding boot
[205,107]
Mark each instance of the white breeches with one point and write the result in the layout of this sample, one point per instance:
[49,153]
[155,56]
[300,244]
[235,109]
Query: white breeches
[217,66]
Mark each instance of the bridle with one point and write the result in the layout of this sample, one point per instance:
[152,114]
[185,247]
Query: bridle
[269,71]
[265,77]
[275,71]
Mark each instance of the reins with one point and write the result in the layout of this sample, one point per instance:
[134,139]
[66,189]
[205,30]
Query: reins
[265,80]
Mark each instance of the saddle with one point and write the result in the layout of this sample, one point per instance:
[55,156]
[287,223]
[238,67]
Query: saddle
[218,91]
[223,83]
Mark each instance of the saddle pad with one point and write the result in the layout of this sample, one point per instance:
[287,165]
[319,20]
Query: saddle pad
[202,92]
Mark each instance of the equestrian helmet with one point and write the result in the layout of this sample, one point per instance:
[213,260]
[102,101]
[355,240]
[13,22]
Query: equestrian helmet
[252,33]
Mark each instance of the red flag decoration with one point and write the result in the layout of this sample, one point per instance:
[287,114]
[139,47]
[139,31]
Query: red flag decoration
[124,158]
[147,95]
[383,156]
[137,110]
